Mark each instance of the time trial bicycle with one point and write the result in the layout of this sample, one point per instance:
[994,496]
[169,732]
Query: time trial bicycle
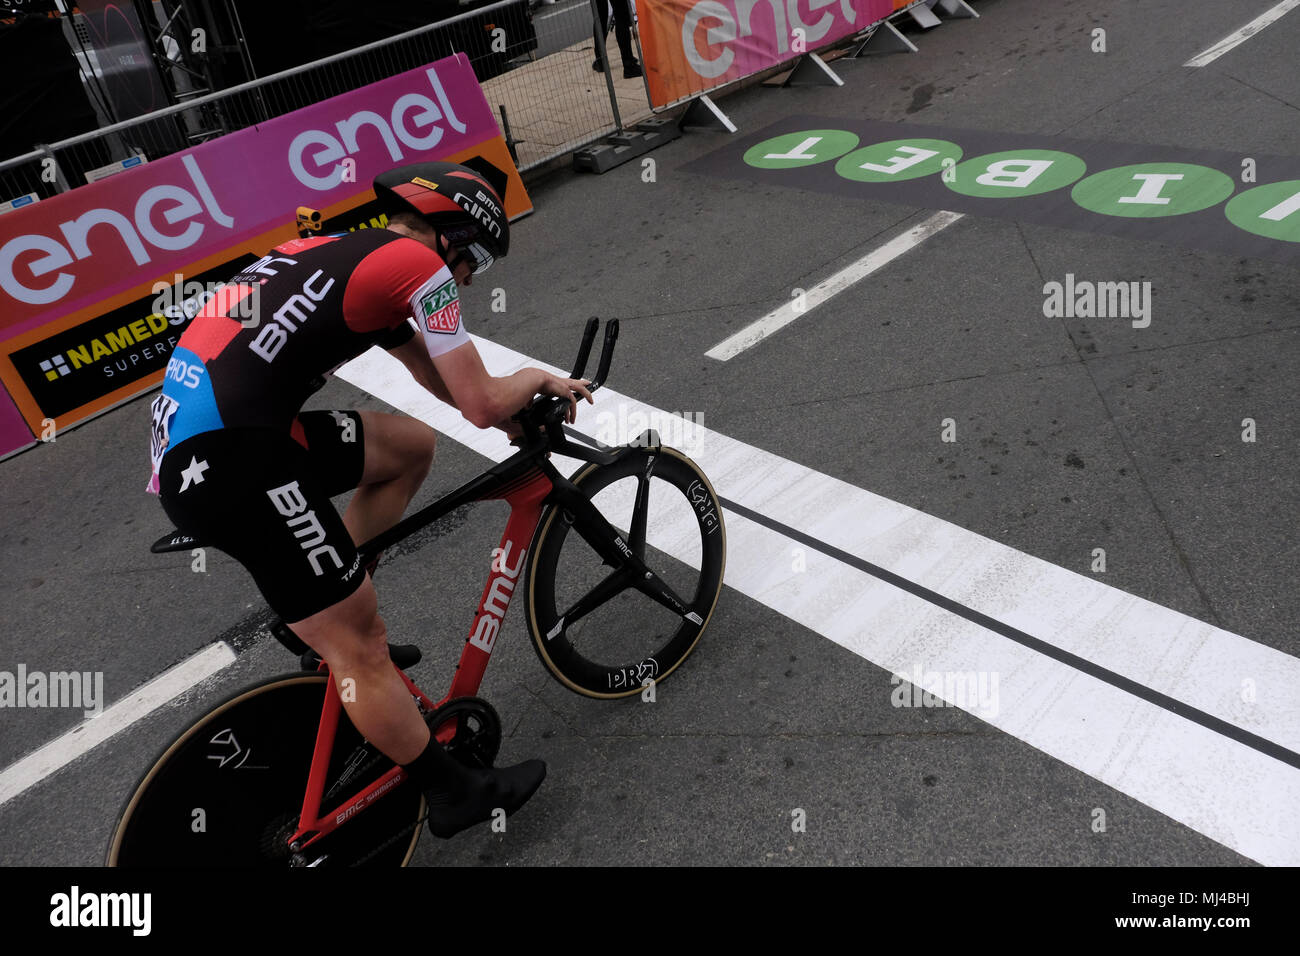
[276,775]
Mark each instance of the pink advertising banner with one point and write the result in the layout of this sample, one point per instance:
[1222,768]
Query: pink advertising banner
[695,45]
[14,433]
[79,272]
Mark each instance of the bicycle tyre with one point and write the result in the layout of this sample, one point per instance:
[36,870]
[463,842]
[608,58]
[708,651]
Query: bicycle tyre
[245,765]
[575,668]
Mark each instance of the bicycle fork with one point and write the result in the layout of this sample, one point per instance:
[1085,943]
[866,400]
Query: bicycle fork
[626,557]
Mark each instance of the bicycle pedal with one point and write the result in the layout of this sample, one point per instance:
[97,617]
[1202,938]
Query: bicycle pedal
[405,656]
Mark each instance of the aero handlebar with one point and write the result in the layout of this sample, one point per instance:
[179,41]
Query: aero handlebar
[548,414]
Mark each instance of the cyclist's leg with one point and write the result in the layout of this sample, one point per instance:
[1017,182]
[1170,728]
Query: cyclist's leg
[399,454]
[263,497]
[255,494]
[351,638]
[384,457]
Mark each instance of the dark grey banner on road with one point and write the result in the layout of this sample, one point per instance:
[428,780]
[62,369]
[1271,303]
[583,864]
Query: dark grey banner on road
[1240,203]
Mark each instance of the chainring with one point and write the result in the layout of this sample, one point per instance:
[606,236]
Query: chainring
[477,736]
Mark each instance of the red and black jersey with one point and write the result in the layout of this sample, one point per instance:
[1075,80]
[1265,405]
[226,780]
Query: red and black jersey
[263,344]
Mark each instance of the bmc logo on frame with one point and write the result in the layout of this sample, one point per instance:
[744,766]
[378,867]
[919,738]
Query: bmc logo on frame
[497,598]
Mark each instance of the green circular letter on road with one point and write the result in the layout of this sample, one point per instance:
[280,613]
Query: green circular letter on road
[1272,211]
[800,149]
[897,160]
[1152,190]
[1021,172]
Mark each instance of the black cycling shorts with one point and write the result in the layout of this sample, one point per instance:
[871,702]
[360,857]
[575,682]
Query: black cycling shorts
[262,496]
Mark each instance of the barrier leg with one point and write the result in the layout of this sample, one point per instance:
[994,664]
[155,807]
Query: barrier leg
[884,39]
[811,70]
[956,9]
[923,16]
[703,113]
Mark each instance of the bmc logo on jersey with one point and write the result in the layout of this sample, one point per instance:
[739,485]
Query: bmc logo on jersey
[440,309]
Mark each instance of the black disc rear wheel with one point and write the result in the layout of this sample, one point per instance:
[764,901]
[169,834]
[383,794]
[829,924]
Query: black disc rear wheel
[229,790]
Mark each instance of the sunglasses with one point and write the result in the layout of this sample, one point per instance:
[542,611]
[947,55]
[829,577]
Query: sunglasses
[476,255]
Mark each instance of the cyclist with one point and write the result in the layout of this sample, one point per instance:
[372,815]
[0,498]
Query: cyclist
[238,465]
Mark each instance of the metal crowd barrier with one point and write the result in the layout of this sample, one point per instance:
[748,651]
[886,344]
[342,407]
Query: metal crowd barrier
[536,74]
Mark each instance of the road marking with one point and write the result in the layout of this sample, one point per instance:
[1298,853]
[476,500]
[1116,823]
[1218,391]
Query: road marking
[1234,40]
[783,315]
[89,734]
[1236,788]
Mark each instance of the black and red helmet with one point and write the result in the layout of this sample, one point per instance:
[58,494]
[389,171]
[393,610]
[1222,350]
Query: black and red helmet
[456,201]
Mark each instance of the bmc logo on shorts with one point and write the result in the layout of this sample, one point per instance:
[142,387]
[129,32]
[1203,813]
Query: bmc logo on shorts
[288,500]
[440,309]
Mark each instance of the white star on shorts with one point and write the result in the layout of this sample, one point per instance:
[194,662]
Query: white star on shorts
[194,473]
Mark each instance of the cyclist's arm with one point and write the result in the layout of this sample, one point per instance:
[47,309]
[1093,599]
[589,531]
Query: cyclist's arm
[413,355]
[486,400]
[482,394]
[442,358]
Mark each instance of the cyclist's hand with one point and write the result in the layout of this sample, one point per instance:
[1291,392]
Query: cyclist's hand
[514,431]
[570,388]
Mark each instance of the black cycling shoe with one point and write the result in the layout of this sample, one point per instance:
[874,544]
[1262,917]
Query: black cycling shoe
[480,793]
[631,70]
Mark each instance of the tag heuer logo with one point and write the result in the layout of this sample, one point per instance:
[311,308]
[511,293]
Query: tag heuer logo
[441,309]
[440,297]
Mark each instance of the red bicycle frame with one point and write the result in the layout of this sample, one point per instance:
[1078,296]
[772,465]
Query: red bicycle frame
[525,495]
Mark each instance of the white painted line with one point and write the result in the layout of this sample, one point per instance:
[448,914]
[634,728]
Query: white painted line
[1234,40]
[89,734]
[782,316]
[1208,781]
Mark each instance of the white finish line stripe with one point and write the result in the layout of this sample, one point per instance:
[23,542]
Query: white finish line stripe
[782,316]
[90,733]
[1212,783]
[1234,40]
[1083,665]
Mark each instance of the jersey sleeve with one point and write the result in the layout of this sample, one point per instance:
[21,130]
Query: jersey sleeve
[400,281]
[435,306]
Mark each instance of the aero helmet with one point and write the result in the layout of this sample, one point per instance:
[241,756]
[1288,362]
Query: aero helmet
[457,202]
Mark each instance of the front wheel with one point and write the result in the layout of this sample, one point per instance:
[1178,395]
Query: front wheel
[594,630]
[228,791]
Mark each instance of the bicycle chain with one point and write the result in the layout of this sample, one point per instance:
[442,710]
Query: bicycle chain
[405,831]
